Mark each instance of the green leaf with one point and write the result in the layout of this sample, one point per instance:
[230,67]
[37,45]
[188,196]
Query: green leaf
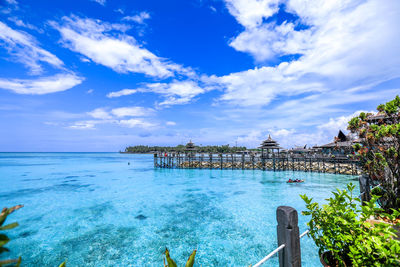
[9,226]
[170,261]
[3,249]
[3,240]
[63,264]
[190,261]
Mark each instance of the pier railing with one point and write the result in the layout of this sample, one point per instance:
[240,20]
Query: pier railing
[288,239]
[275,162]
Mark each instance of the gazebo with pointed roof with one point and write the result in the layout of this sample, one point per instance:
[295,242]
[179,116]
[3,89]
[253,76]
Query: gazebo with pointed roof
[190,147]
[269,146]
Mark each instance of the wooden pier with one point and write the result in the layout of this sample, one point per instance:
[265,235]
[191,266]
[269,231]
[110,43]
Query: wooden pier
[272,162]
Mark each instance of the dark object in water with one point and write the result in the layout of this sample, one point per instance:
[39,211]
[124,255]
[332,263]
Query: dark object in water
[141,217]
[129,163]
[290,181]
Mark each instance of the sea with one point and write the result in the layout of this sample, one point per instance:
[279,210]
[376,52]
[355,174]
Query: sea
[112,209]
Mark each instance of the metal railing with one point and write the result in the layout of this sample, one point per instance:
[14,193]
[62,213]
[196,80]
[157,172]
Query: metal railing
[288,239]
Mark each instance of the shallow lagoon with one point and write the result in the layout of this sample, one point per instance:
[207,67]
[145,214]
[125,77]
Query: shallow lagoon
[94,209]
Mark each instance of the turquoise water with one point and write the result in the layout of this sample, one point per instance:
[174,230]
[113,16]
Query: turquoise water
[93,209]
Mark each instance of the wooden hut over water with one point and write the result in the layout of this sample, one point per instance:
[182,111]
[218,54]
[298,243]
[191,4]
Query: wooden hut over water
[190,148]
[341,146]
[269,146]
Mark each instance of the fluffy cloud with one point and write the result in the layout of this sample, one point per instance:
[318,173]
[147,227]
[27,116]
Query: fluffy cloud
[140,18]
[25,49]
[140,123]
[108,45]
[100,113]
[176,92]
[250,13]
[131,117]
[41,86]
[122,93]
[170,123]
[132,112]
[340,44]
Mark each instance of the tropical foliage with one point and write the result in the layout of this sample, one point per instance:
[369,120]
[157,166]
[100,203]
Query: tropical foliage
[171,262]
[343,228]
[379,150]
[4,238]
[181,148]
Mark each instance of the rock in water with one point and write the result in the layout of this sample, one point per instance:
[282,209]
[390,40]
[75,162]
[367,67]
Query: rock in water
[141,217]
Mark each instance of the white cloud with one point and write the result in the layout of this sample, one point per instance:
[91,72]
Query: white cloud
[170,123]
[132,112]
[119,10]
[176,92]
[345,43]
[101,2]
[140,18]
[89,91]
[20,23]
[83,125]
[122,92]
[41,86]
[106,44]
[100,113]
[250,13]
[24,48]
[135,118]
[137,123]
[339,123]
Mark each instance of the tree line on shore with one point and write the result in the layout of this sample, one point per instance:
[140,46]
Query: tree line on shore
[182,149]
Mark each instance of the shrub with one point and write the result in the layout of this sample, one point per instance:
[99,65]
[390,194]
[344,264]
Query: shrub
[379,150]
[342,227]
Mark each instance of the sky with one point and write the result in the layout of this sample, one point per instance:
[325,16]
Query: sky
[100,75]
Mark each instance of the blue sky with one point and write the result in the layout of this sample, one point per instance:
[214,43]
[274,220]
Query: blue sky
[98,75]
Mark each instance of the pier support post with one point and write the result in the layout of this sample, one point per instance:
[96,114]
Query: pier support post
[288,234]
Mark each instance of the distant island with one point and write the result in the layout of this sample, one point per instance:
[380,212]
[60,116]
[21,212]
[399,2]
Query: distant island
[181,148]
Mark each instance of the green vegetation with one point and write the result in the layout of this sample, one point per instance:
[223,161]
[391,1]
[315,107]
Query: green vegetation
[4,238]
[181,149]
[379,150]
[171,262]
[342,227]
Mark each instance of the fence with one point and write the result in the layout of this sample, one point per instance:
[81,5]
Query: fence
[315,163]
[288,239]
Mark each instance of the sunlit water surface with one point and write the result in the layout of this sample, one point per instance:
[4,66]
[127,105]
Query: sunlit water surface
[93,209]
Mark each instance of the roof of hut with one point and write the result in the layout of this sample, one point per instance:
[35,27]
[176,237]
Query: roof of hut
[270,144]
[341,140]
[190,146]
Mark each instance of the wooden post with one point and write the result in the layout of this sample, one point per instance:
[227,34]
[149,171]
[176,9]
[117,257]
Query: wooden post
[232,160]
[288,234]
[334,165]
[292,163]
[273,159]
[220,161]
[263,162]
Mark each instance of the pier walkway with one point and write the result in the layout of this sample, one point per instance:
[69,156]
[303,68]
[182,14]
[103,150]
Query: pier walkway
[273,162]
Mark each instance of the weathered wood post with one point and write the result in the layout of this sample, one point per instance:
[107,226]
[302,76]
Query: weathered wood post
[292,163]
[288,234]
[155,160]
[220,161]
[364,188]
[242,160]
[273,160]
